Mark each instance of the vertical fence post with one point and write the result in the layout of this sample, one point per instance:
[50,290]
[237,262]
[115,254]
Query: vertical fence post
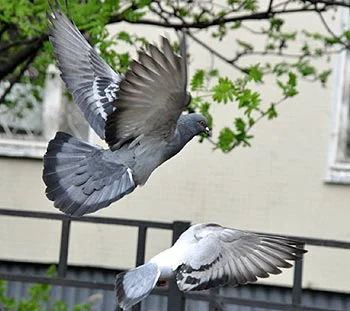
[297,280]
[213,304]
[140,256]
[141,245]
[62,264]
[176,300]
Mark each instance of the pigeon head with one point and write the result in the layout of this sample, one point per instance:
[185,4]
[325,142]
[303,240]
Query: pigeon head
[198,124]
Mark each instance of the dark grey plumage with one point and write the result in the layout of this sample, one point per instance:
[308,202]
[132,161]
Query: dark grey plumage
[206,256]
[139,115]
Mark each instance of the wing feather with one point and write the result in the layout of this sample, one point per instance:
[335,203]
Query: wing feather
[151,97]
[222,256]
[91,81]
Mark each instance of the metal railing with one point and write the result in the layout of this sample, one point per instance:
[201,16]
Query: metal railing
[176,299]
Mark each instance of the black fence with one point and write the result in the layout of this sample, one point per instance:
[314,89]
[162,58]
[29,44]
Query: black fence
[176,299]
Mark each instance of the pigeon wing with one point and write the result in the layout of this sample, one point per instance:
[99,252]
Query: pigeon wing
[227,256]
[151,97]
[91,81]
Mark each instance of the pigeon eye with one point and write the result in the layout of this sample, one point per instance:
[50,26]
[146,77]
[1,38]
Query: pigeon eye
[202,123]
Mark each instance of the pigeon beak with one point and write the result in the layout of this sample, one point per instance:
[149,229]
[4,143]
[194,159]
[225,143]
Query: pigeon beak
[208,131]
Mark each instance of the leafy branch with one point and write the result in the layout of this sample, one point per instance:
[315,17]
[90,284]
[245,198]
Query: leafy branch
[285,55]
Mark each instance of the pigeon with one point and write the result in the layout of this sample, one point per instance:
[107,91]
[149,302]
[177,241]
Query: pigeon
[206,256]
[139,115]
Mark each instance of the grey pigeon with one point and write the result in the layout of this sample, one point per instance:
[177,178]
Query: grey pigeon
[206,256]
[139,115]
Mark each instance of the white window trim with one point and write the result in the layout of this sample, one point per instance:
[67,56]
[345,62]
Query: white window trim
[52,115]
[338,169]
[52,99]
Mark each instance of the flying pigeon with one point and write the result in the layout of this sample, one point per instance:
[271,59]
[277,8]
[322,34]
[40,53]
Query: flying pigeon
[138,114]
[206,256]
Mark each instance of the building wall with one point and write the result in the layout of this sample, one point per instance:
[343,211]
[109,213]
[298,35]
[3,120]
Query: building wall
[276,186]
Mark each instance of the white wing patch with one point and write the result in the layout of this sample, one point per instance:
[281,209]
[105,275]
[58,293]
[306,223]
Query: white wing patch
[105,92]
[129,170]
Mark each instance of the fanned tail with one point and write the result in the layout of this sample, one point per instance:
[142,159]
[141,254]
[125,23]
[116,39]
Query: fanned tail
[136,284]
[78,177]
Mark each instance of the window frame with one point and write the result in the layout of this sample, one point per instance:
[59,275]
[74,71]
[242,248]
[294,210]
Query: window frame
[338,168]
[52,109]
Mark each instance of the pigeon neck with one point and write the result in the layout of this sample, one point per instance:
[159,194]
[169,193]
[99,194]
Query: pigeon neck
[185,129]
[183,134]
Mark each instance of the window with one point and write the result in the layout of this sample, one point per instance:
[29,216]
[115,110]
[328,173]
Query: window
[26,129]
[339,152]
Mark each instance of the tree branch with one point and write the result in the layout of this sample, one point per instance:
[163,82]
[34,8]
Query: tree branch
[21,56]
[18,76]
[217,54]
[214,22]
[330,30]
[16,43]
[328,3]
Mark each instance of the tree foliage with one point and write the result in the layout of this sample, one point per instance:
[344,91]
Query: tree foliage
[38,298]
[287,55]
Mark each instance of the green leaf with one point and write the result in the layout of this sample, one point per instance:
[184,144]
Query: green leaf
[213,73]
[197,82]
[226,138]
[292,81]
[82,307]
[324,75]
[255,73]
[133,16]
[271,112]
[124,36]
[204,110]
[289,89]
[223,91]
[247,46]
[124,59]
[251,5]
[305,68]
[236,25]
[240,125]
[276,23]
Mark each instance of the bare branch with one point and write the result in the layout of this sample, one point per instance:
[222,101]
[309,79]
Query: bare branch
[217,54]
[269,9]
[330,31]
[328,3]
[21,56]
[16,43]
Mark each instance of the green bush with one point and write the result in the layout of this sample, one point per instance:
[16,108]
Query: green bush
[38,298]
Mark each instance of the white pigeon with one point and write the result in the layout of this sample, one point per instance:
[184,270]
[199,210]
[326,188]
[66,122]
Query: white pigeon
[206,256]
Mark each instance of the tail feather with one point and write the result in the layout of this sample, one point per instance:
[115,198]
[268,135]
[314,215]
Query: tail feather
[136,284]
[79,179]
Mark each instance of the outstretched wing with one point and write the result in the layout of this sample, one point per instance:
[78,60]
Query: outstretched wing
[227,256]
[151,97]
[91,81]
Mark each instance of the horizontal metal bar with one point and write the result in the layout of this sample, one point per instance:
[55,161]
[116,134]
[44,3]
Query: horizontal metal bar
[89,219]
[195,296]
[156,224]
[159,291]
[55,281]
[67,282]
[256,303]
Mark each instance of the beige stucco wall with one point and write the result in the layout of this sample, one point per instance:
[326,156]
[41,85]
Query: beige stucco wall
[276,186]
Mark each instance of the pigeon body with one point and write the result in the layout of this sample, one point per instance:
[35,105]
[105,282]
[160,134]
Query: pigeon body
[139,115]
[206,256]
